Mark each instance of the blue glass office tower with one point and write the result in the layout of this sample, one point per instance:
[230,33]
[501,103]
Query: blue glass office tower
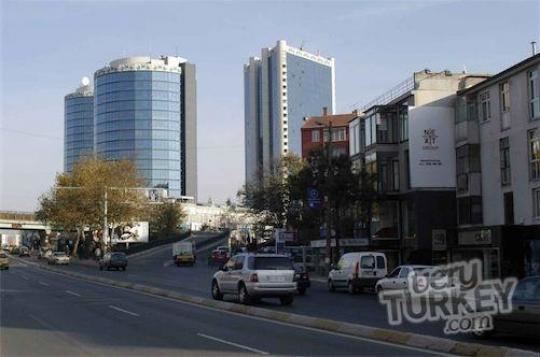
[281,88]
[78,125]
[145,110]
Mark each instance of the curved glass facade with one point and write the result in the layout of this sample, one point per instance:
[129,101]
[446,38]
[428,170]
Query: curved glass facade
[138,117]
[78,128]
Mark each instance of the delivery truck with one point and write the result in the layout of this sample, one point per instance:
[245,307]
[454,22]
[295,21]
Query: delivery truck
[184,253]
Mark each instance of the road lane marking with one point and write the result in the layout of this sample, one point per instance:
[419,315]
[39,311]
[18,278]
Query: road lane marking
[122,310]
[72,293]
[250,349]
[420,350]
[24,277]
[43,283]
[168,263]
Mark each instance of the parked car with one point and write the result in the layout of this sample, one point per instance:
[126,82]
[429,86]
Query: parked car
[114,260]
[255,276]
[524,320]
[356,271]
[219,256]
[4,261]
[398,278]
[58,258]
[301,277]
[24,251]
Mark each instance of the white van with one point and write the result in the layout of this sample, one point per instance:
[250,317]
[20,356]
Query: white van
[356,271]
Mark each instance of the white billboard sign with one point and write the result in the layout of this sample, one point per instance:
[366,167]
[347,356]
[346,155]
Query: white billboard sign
[136,232]
[432,156]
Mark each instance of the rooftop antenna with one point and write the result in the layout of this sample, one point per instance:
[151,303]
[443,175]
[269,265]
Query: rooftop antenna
[302,44]
[464,69]
[533,47]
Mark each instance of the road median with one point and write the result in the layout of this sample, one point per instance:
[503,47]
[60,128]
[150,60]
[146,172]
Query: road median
[434,344]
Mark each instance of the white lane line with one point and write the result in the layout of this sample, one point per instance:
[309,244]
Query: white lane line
[24,277]
[72,293]
[168,263]
[122,310]
[43,283]
[250,349]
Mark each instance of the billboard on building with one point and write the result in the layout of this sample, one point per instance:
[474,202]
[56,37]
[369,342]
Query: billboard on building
[136,232]
[432,156]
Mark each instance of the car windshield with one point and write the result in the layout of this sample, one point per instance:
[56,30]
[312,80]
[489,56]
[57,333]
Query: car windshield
[118,256]
[272,263]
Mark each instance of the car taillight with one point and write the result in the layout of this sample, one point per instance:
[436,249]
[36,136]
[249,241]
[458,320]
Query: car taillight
[306,276]
[254,278]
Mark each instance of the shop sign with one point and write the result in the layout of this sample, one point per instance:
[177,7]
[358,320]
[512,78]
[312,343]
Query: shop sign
[438,239]
[480,237]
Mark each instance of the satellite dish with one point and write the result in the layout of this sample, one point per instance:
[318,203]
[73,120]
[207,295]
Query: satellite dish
[85,81]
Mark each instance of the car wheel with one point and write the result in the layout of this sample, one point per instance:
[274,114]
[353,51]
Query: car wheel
[482,335]
[243,295]
[286,300]
[351,288]
[302,291]
[216,293]
[331,286]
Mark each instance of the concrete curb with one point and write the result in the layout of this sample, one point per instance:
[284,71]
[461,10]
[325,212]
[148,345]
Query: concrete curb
[434,344]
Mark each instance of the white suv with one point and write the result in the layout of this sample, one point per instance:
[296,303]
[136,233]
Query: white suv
[254,276]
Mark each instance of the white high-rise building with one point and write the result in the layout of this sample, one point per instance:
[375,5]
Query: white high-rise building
[281,88]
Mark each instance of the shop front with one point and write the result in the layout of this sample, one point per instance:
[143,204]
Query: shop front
[482,244]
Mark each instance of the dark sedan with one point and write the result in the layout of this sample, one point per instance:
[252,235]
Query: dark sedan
[524,319]
[115,260]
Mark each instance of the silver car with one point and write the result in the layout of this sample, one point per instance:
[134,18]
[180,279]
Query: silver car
[254,276]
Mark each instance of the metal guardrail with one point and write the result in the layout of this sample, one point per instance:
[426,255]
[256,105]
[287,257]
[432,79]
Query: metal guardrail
[397,91]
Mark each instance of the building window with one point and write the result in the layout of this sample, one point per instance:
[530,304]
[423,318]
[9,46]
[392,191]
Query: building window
[534,154]
[504,152]
[339,135]
[505,97]
[395,175]
[315,136]
[536,202]
[470,210]
[504,90]
[472,109]
[467,161]
[404,124]
[485,105]
[534,94]
[508,208]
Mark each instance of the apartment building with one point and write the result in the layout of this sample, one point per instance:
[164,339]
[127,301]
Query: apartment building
[317,130]
[406,139]
[497,140]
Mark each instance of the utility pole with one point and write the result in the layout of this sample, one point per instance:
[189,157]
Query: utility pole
[105,234]
[330,173]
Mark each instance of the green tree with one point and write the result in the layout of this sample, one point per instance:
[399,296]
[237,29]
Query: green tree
[166,219]
[270,196]
[77,200]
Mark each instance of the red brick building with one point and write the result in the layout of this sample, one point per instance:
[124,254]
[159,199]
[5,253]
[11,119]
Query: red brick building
[315,133]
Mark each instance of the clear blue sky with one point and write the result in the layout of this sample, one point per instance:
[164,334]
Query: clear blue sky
[47,46]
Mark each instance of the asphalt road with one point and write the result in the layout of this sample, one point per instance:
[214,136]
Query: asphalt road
[44,313]
[156,269]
